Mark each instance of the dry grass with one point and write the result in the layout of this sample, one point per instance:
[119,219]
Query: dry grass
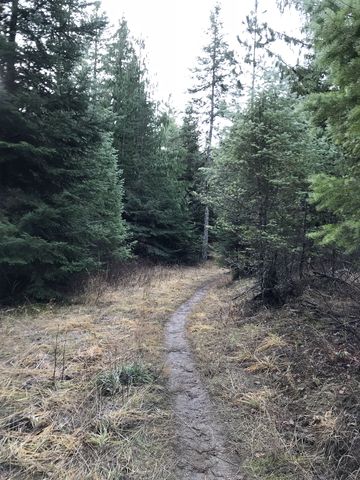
[55,423]
[286,383]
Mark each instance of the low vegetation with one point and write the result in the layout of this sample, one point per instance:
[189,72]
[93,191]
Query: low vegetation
[286,381]
[82,385]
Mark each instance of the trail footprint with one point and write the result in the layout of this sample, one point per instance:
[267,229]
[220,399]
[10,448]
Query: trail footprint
[201,445]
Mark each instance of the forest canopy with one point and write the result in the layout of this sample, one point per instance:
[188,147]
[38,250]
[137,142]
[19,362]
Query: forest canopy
[95,172]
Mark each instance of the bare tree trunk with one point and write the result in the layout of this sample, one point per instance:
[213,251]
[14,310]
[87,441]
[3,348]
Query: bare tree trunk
[96,57]
[333,262]
[254,62]
[10,67]
[303,246]
[205,245]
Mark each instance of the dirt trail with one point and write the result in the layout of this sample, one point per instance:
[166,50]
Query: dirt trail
[201,450]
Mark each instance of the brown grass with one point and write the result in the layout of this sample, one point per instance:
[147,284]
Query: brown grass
[54,423]
[285,382]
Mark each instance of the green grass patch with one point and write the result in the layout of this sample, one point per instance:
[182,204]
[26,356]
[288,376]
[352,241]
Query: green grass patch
[114,381]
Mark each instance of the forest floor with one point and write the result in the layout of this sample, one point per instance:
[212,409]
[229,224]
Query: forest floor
[285,381]
[176,374]
[83,387]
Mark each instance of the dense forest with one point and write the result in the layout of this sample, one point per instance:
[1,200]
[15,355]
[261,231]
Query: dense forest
[95,172]
[179,288]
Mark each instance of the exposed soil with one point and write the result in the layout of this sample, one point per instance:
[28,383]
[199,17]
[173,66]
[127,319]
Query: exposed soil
[201,450]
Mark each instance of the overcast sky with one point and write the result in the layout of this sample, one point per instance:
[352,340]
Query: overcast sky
[173,31]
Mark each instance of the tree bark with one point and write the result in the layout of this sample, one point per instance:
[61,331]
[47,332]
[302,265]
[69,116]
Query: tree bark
[205,246]
[303,243]
[254,63]
[10,67]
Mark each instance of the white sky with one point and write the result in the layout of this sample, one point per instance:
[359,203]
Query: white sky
[173,31]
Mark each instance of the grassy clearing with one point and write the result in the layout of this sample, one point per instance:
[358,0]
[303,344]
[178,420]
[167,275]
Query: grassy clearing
[82,386]
[286,382]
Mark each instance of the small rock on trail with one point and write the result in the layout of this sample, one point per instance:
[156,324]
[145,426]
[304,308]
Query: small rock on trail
[201,445]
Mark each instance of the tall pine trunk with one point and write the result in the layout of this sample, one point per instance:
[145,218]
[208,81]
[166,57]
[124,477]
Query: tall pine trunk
[10,67]
[304,240]
[205,246]
[254,63]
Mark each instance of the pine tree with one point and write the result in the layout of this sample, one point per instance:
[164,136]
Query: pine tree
[258,190]
[147,147]
[215,75]
[134,128]
[336,30]
[194,176]
[260,37]
[176,226]
[51,145]
[265,48]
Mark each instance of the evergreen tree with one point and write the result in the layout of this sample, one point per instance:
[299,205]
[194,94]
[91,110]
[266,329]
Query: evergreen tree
[54,151]
[147,153]
[266,49]
[260,37]
[134,130]
[215,75]
[177,225]
[194,176]
[258,190]
[336,30]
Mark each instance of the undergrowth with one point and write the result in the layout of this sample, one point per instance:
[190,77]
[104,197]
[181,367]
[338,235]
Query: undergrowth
[285,381]
[82,386]
[113,381]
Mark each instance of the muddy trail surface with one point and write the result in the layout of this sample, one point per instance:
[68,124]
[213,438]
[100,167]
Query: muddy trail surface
[201,448]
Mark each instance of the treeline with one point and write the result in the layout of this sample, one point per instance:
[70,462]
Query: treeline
[285,184]
[94,171]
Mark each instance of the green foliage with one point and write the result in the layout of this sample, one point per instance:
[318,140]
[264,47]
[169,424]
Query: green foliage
[193,161]
[60,197]
[344,203]
[336,31]
[216,83]
[259,185]
[149,155]
[216,76]
[176,226]
[84,148]
[113,381]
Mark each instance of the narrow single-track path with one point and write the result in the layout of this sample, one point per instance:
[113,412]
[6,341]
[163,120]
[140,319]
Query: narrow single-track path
[200,443]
